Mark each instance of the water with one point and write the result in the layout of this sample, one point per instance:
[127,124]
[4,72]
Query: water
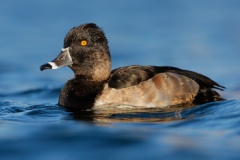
[201,36]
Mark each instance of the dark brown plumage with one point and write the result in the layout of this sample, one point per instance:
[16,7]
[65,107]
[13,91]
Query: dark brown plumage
[86,52]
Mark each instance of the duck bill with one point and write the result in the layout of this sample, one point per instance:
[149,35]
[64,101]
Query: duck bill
[63,59]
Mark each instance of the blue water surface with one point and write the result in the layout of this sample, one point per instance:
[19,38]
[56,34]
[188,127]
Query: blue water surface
[202,36]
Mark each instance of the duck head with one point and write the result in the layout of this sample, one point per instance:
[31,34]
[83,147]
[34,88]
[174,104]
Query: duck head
[86,52]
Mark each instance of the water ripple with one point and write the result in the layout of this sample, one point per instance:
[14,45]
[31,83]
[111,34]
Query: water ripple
[22,112]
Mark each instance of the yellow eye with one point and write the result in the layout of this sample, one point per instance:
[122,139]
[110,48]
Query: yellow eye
[83,43]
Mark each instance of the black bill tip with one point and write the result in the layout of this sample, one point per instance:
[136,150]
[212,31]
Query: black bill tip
[45,66]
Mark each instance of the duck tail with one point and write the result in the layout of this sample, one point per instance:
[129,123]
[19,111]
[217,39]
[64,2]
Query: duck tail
[206,95]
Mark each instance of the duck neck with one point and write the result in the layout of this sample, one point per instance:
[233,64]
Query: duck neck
[87,80]
[97,69]
[86,85]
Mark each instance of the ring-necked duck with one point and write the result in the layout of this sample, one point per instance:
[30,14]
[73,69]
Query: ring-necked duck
[86,52]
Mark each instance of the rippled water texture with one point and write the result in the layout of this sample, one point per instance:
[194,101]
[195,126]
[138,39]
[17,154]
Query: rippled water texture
[202,36]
